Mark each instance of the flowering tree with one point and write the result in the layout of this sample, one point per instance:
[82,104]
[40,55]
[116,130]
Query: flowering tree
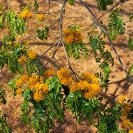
[52,91]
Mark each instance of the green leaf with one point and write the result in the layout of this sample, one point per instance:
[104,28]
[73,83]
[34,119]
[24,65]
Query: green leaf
[1,21]
[130,17]
[130,44]
[71,2]
[43,34]
[36,6]
[1,6]
[116,24]
[54,84]
[27,94]
[131,69]
[102,4]
[3,59]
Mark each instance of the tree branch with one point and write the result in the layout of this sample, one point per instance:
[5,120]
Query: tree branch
[108,37]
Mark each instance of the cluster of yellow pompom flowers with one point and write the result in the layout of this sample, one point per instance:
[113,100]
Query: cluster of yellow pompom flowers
[31,55]
[49,73]
[65,76]
[35,84]
[25,14]
[40,17]
[89,85]
[22,59]
[126,107]
[72,35]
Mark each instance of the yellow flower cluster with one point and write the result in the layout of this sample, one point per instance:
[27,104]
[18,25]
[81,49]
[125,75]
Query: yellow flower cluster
[130,131]
[22,80]
[89,85]
[25,14]
[65,76]
[121,98]
[31,53]
[126,109]
[91,78]
[49,73]
[40,17]
[22,59]
[126,123]
[19,91]
[71,36]
[35,84]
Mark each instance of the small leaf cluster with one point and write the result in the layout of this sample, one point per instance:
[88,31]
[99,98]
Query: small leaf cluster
[102,4]
[2,96]
[103,57]
[4,128]
[116,24]
[76,50]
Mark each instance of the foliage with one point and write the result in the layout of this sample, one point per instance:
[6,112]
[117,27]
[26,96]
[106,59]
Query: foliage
[4,127]
[102,4]
[116,24]
[47,93]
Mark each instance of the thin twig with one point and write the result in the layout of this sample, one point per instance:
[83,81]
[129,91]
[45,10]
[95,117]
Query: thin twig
[34,35]
[46,51]
[52,55]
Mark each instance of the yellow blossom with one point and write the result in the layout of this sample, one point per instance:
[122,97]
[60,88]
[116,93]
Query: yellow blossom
[95,80]
[87,95]
[71,36]
[32,81]
[89,77]
[64,75]
[92,91]
[22,59]
[40,17]
[37,96]
[25,14]
[41,79]
[66,81]
[19,91]
[121,98]
[130,131]
[31,53]
[126,109]
[49,73]
[74,87]
[29,15]
[127,124]
[84,85]
[95,87]
[45,89]
[24,77]
[19,83]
